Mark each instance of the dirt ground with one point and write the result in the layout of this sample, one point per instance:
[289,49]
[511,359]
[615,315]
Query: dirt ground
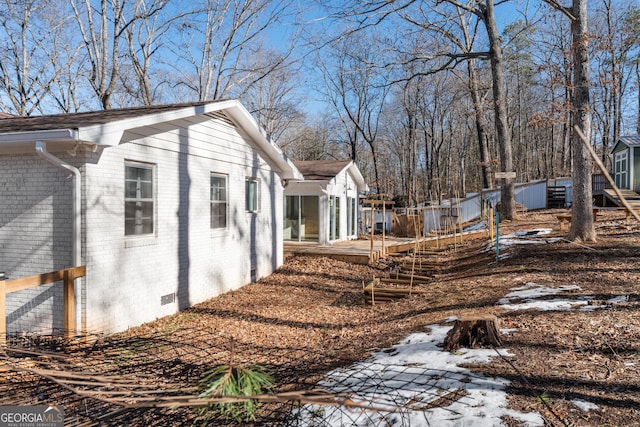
[310,317]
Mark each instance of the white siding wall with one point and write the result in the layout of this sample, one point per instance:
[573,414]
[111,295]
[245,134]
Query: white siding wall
[343,186]
[35,237]
[127,276]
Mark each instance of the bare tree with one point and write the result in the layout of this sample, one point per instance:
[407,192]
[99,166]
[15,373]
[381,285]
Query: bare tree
[34,56]
[101,29]
[273,99]
[582,227]
[144,38]
[372,12]
[616,41]
[216,42]
[357,90]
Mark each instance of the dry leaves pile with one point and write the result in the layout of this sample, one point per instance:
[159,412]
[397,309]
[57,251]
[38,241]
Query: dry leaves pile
[310,317]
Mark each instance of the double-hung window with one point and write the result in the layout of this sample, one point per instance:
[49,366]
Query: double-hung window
[139,199]
[218,201]
[252,196]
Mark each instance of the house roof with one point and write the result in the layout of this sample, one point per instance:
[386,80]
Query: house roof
[84,119]
[326,170]
[321,169]
[106,128]
[630,140]
[626,141]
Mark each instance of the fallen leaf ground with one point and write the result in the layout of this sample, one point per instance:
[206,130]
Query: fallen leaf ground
[310,317]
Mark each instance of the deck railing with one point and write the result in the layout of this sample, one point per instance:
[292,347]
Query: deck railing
[67,275]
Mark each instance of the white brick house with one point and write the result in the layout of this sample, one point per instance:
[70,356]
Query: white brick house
[167,206]
[323,207]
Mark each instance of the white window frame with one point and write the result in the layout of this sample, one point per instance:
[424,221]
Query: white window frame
[213,201]
[139,199]
[252,204]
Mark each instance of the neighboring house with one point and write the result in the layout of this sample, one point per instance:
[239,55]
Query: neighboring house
[626,163]
[323,208]
[167,206]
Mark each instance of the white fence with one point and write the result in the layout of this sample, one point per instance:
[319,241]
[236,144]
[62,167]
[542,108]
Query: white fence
[532,195]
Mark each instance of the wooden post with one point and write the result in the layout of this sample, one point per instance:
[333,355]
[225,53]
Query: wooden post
[3,314]
[491,231]
[69,306]
[384,225]
[372,216]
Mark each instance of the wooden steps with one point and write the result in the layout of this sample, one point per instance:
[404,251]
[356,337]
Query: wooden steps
[374,292]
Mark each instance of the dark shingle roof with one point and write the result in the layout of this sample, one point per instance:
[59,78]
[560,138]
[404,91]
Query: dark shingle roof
[321,169]
[76,120]
[630,140]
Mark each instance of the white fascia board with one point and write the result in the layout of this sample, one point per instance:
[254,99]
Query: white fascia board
[22,142]
[38,135]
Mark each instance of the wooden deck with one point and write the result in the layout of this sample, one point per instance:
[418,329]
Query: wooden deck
[359,251]
[630,196]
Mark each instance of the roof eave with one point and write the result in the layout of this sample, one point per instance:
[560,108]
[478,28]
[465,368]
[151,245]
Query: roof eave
[20,142]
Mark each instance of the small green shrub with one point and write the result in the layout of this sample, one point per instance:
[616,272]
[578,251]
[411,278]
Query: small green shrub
[226,380]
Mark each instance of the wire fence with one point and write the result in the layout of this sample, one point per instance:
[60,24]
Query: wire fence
[153,381]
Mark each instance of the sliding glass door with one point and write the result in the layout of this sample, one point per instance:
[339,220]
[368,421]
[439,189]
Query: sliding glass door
[301,218]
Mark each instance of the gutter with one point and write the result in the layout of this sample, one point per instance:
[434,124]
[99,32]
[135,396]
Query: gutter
[76,233]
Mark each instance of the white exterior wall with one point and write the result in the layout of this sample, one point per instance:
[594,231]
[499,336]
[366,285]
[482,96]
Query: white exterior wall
[127,276]
[35,237]
[342,186]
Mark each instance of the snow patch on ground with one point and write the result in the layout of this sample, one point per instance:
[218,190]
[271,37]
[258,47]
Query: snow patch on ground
[534,296]
[529,237]
[584,405]
[412,375]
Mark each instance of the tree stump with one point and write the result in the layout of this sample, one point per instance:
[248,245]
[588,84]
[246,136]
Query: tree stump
[473,332]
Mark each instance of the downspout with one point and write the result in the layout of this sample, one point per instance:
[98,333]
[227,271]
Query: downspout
[76,232]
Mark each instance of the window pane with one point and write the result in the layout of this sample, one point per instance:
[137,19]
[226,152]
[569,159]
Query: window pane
[130,189]
[218,188]
[252,196]
[142,173]
[139,200]
[218,201]
[218,215]
[146,190]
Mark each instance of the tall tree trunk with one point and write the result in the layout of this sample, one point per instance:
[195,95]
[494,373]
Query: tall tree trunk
[485,166]
[638,79]
[503,132]
[582,227]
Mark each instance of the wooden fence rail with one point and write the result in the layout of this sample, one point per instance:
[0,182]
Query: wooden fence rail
[67,275]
